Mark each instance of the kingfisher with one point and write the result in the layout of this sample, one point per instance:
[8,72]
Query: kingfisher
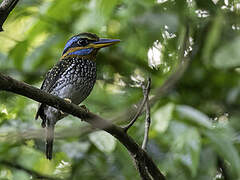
[72,78]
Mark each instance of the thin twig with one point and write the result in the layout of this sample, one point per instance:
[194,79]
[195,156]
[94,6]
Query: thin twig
[35,174]
[169,84]
[146,90]
[148,118]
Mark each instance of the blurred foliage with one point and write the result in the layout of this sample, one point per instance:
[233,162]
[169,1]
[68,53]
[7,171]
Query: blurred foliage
[193,127]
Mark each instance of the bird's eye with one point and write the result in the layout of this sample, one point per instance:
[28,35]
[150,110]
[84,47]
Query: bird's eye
[83,42]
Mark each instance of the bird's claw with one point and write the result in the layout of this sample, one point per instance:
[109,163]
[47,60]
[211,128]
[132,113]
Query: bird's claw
[68,100]
[85,108]
[84,116]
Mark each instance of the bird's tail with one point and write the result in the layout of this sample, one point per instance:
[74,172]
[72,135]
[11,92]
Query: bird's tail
[49,141]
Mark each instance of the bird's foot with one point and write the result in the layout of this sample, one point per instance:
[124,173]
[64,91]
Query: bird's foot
[85,115]
[68,100]
[85,108]
[61,112]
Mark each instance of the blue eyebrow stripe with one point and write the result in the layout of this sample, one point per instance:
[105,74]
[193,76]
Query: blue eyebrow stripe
[69,43]
[82,52]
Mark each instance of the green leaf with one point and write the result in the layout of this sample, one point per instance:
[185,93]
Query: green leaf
[103,141]
[18,53]
[186,148]
[76,149]
[35,59]
[213,37]
[223,144]
[228,56]
[193,116]
[106,7]
[33,159]
[207,164]
[162,117]
[17,174]
[5,114]
[5,173]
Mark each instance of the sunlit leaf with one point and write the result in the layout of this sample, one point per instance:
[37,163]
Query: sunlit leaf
[185,140]
[193,115]
[162,117]
[103,141]
[5,173]
[32,159]
[63,169]
[5,114]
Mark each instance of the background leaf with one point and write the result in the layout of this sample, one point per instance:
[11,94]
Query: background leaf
[228,56]
[162,117]
[187,135]
[103,141]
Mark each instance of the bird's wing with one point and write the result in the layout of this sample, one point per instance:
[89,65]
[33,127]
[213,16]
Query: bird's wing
[54,74]
[50,79]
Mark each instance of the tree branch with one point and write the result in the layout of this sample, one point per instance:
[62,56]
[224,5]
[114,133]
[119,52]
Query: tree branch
[5,8]
[139,155]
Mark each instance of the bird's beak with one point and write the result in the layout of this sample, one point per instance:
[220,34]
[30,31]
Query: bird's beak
[101,43]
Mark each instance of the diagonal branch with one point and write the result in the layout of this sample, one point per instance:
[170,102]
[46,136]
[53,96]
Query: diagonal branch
[140,156]
[5,8]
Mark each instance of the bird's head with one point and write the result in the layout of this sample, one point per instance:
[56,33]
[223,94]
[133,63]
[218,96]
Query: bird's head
[86,44]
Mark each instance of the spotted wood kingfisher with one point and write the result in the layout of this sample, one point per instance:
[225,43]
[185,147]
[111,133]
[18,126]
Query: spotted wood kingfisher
[72,79]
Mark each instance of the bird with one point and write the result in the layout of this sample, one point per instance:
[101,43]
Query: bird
[71,78]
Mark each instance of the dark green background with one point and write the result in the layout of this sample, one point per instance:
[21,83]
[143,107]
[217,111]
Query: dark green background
[193,126]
